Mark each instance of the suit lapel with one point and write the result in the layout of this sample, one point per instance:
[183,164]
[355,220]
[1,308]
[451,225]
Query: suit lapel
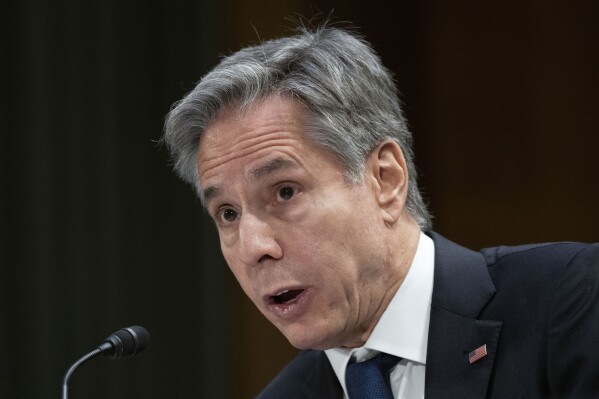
[462,287]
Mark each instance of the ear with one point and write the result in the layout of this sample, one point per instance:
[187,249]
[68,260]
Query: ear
[389,175]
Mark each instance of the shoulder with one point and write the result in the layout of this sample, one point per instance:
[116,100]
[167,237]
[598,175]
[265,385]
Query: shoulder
[559,252]
[558,286]
[548,301]
[309,375]
[543,271]
[553,262]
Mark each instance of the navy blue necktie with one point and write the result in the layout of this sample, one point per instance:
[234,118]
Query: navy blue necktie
[370,379]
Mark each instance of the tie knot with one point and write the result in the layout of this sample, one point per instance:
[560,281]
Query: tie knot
[370,379]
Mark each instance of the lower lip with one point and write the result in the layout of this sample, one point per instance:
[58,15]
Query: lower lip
[291,310]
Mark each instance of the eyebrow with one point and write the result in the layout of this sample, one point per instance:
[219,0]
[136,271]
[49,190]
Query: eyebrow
[270,167]
[277,164]
[209,193]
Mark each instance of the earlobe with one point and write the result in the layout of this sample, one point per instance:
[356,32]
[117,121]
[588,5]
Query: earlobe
[391,180]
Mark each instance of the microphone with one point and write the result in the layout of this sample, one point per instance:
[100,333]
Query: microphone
[125,342]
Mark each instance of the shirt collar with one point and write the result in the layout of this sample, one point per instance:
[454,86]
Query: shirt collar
[403,328]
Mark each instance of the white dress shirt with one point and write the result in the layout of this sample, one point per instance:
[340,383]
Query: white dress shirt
[402,330]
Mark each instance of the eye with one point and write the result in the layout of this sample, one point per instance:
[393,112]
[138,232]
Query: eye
[227,215]
[285,193]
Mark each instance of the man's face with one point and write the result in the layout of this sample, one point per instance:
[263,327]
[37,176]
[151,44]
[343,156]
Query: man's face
[304,244]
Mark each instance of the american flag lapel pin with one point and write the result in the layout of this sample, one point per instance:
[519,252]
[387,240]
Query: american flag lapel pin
[477,354]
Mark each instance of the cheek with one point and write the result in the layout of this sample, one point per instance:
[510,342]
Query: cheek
[343,228]
[351,242]
[323,252]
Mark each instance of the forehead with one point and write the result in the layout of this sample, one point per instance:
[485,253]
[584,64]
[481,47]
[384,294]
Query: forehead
[241,128]
[241,142]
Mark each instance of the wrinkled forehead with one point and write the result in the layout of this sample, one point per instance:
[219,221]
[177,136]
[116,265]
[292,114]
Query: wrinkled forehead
[253,129]
[258,117]
[237,110]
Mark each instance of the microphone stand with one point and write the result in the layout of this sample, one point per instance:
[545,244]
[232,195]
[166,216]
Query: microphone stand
[125,342]
[95,353]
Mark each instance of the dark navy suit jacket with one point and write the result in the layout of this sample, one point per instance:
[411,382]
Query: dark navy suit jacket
[535,307]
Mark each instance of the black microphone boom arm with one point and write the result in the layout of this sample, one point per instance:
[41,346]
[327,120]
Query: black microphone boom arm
[125,342]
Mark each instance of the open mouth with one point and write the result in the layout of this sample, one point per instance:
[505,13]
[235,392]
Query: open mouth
[286,297]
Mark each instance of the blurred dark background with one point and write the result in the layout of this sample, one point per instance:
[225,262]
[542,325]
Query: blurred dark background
[97,233]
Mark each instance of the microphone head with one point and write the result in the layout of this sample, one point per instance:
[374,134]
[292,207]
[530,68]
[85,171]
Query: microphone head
[125,342]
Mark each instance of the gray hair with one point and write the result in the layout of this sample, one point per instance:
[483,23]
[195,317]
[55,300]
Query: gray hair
[351,96]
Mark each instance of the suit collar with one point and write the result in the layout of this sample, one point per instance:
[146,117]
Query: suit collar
[462,288]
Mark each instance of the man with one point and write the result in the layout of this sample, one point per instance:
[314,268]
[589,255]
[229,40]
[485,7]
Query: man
[299,151]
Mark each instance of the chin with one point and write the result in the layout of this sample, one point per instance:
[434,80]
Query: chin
[309,338]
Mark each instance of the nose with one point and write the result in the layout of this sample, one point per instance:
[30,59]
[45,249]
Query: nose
[257,240]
